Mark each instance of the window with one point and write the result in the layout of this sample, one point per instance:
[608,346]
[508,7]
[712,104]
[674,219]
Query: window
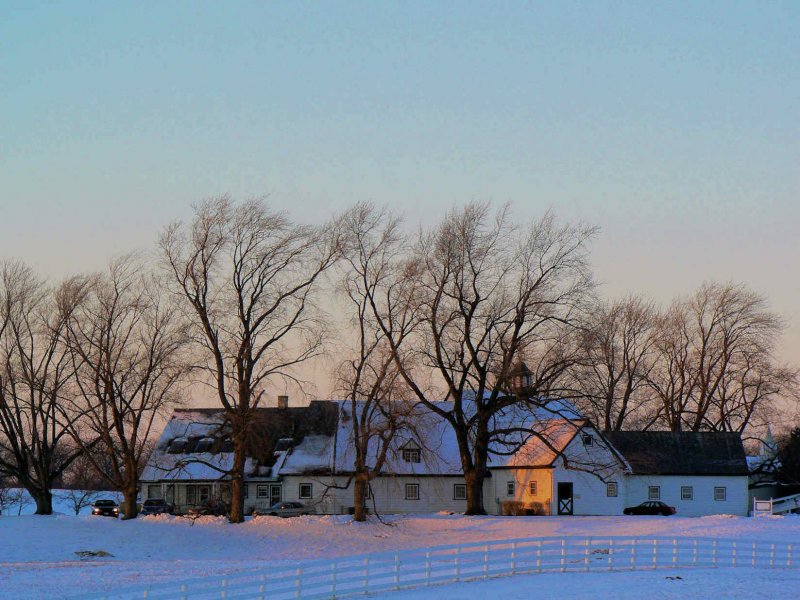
[687,492]
[720,493]
[204,445]
[411,455]
[459,491]
[197,494]
[588,440]
[154,491]
[262,491]
[412,491]
[510,488]
[611,489]
[654,492]
[177,446]
[306,490]
[533,487]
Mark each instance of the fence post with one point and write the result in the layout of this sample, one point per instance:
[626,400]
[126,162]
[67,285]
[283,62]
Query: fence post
[714,554]
[486,561]
[655,553]
[539,556]
[754,554]
[789,555]
[396,571]
[694,553]
[298,582]
[261,588]
[183,592]
[513,558]
[563,555]
[674,551]
[428,567]
[733,557]
[586,554]
[224,584]
[458,564]
[333,579]
[772,555]
[611,555]
[633,554]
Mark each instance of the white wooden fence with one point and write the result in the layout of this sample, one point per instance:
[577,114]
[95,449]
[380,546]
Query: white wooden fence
[357,575]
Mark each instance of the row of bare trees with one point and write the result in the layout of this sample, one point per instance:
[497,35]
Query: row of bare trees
[706,362]
[86,368]
[242,297]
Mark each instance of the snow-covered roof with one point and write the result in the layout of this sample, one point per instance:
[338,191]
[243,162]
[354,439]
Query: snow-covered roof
[541,432]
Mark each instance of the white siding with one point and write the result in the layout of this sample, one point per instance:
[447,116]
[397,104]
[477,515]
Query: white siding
[522,478]
[595,465]
[702,502]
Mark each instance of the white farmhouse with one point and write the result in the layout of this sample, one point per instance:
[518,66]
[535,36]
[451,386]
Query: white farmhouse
[554,462]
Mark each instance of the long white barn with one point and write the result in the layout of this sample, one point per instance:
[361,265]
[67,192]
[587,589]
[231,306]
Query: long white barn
[306,455]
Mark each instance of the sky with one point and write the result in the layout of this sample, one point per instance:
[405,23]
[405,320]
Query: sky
[674,126]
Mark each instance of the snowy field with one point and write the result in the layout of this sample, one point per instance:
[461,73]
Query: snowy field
[38,554]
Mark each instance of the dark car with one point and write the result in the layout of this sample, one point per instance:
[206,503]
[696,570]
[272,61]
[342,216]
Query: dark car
[651,507]
[216,508]
[288,509]
[156,506]
[105,508]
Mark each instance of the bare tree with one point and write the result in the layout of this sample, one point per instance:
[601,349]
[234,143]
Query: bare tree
[248,275]
[380,406]
[126,346]
[715,360]
[485,293]
[611,379]
[35,447]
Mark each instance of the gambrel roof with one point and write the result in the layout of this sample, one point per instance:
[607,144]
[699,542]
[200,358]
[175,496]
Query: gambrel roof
[681,452]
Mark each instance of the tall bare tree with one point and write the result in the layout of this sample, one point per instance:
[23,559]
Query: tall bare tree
[716,364]
[248,275]
[611,379]
[35,447]
[486,294]
[126,343]
[380,406]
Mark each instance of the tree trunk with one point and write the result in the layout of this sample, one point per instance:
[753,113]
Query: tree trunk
[237,476]
[360,497]
[474,480]
[43,499]
[130,506]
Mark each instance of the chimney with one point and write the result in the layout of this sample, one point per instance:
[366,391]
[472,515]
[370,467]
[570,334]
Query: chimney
[283,401]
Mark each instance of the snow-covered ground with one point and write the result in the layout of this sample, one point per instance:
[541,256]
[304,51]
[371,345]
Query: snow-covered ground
[38,554]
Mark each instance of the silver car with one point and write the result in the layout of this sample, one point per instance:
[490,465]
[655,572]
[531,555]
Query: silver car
[288,509]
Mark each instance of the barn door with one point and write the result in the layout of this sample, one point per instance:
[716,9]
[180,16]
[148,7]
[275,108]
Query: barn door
[565,497]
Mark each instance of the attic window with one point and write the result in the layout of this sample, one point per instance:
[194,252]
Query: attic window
[177,446]
[588,440]
[411,455]
[204,444]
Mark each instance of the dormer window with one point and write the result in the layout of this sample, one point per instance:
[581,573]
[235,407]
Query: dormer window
[178,445]
[204,444]
[588,440]
[411,455]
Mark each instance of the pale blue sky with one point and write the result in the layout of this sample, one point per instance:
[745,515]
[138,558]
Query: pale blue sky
[674,126]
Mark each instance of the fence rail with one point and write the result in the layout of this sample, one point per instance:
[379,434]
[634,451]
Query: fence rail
[357,575]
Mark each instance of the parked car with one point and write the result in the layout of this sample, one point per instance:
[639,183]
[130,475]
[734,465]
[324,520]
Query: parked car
[156,506]
[105,508]
[287,509]
[215,508]
[651,507]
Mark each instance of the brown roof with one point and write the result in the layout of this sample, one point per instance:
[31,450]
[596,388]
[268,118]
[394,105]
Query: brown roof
[681,452]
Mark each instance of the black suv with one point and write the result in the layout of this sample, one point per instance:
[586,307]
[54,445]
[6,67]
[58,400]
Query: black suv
[105,508]
[156,506]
